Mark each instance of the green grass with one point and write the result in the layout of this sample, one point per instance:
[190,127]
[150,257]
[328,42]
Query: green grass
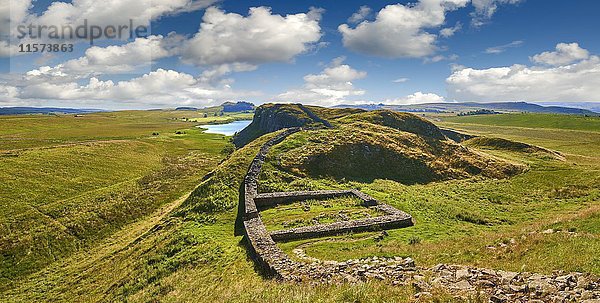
[313,212]
[68,181]
[584,223]
[456,221]
[555,121]
[198,255]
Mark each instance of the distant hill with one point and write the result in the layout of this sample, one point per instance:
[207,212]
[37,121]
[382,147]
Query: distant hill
[185,108]
[473,106]
[593,106]
[44,110]
[231,107]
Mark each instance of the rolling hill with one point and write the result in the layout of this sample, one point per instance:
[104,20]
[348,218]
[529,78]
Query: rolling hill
[507,107]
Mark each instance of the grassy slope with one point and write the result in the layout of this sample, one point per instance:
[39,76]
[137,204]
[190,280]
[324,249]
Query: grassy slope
[69,181]
[532,121]
[199,257]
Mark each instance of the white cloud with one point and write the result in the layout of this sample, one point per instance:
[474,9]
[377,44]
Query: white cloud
[240,44]
[91,12]
[157,88]
[502,48]
[401,80]
[229,38]
[331,87]
[450,31]
[569,82]
[564,54]
[11,12]
[8,93]
[439,58]
[115,12]
[399,30]
[129,58]
[362,14]
[7,49]
[485,9]
[416,98]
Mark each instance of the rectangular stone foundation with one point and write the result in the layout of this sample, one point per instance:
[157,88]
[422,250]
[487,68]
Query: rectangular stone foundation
[343,227]
[262,243]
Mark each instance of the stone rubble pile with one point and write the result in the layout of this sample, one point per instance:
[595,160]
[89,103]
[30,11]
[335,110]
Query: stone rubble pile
[497,285]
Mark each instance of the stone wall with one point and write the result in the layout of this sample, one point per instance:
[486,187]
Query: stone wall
[342,227]
[267,254]
[272,199]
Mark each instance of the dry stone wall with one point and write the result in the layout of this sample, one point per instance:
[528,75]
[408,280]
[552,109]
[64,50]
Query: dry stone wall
[268,254]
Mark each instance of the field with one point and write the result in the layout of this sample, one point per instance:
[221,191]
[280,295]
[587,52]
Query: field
[542,220]
[314,212]
[70,181]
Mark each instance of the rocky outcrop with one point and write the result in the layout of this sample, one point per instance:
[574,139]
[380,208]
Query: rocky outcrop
[270,118]
[456,136]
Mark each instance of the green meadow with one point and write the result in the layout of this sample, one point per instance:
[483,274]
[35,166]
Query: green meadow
[95,210]
[69,181]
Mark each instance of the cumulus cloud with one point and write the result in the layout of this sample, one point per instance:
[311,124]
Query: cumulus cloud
[225,44]
[416,98]
[11,12]
[229,38]
[565,76]
[362,14]
[502,48]
[450,31]
[400,30]
[157,88]
[128,58]
[7,49]
[485,9]
[115,12]
[93,12]
[564,54]
[331,87]
[8,93]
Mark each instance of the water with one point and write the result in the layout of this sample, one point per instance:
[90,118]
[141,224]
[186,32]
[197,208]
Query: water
[228,129]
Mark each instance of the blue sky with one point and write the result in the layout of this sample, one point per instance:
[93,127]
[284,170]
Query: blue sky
[491,50]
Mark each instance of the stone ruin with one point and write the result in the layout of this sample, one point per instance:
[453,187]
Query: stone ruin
[462,281]
[263,244]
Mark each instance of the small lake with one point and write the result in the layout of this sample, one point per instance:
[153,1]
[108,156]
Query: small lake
[228,129]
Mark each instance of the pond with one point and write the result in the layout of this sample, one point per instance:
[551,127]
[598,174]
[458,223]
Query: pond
[228,129]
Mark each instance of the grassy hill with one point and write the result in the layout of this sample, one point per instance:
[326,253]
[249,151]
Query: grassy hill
[194,252]
[68,182]
[464,107]
[532,121]
[366,152]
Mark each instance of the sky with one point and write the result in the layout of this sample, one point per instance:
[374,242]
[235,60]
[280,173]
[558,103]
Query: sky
[205,52]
